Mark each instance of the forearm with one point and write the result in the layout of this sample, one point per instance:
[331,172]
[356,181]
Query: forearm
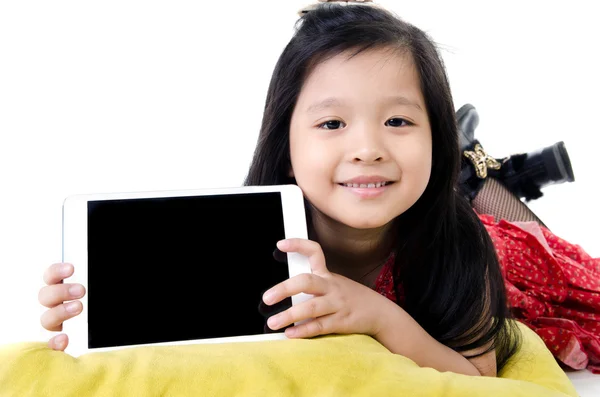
[401,334]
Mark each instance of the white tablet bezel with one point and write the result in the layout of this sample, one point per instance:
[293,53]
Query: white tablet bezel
[74,251]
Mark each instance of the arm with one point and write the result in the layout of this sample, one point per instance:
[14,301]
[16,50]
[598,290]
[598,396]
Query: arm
[343,306]
[401,334]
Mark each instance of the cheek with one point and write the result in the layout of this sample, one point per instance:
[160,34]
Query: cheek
[416,164]
[310,160]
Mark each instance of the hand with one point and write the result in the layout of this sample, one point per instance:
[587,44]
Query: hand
[54,295]
[339,305]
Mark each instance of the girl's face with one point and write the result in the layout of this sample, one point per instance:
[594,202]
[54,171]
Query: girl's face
[360,139]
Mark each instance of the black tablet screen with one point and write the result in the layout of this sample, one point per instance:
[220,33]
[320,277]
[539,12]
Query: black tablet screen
[176,269]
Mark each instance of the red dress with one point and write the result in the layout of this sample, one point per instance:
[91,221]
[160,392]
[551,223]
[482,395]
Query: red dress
[552,286]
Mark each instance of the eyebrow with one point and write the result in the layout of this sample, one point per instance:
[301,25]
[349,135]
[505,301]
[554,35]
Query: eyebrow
[324,104]
[335,102]
[402,100]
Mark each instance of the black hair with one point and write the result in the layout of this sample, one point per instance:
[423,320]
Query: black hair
[445,260]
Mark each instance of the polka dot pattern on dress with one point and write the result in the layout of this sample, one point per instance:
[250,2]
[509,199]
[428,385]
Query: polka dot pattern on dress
[552,286]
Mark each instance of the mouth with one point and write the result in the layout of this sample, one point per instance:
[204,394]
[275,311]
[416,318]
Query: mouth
[373,185]
[367,189]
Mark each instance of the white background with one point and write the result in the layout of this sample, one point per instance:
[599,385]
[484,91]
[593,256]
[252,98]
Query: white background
[124,95]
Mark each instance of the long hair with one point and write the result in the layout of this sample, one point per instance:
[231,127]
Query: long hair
[445,260]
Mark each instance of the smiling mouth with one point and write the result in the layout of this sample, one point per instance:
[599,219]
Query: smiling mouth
[366,185]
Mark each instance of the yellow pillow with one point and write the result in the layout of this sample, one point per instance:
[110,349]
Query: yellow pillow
[351,365]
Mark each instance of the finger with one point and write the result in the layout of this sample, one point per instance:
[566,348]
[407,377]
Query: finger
[306,282]
[58,272]
[267,330]
[319,326]
[52,319]
[53,295]
[313,308]
[59,342]
[308,248]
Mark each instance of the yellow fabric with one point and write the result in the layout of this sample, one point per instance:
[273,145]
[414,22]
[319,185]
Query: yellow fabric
[353,365]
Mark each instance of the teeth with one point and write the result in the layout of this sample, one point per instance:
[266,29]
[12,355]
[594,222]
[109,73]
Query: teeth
[365,185]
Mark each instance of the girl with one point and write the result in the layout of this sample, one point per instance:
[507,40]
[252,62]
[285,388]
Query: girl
[360,116]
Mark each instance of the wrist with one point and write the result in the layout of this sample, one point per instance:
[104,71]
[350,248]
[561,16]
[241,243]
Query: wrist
[400,333]
[388,320]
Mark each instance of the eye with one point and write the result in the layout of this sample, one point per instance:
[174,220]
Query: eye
[331,125]
[397,122]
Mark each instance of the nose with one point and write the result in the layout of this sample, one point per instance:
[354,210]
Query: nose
[367,156]
[368,147]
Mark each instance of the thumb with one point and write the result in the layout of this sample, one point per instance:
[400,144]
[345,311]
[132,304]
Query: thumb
[59,342]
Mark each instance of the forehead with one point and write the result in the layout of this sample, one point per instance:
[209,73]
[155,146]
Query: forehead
[381,72]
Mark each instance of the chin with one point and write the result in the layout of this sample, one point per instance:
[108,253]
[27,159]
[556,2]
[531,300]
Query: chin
[364,222]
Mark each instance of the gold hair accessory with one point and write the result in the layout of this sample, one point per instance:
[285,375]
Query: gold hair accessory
[481,161]
[304,10]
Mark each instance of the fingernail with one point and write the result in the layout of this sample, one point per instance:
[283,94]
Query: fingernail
[291,332]
[60,341]
[72,307]
[76,290]
[282,244]
[65,270]
[273,322]
[268,297]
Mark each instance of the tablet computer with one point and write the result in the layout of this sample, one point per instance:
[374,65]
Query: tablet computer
[179,267]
